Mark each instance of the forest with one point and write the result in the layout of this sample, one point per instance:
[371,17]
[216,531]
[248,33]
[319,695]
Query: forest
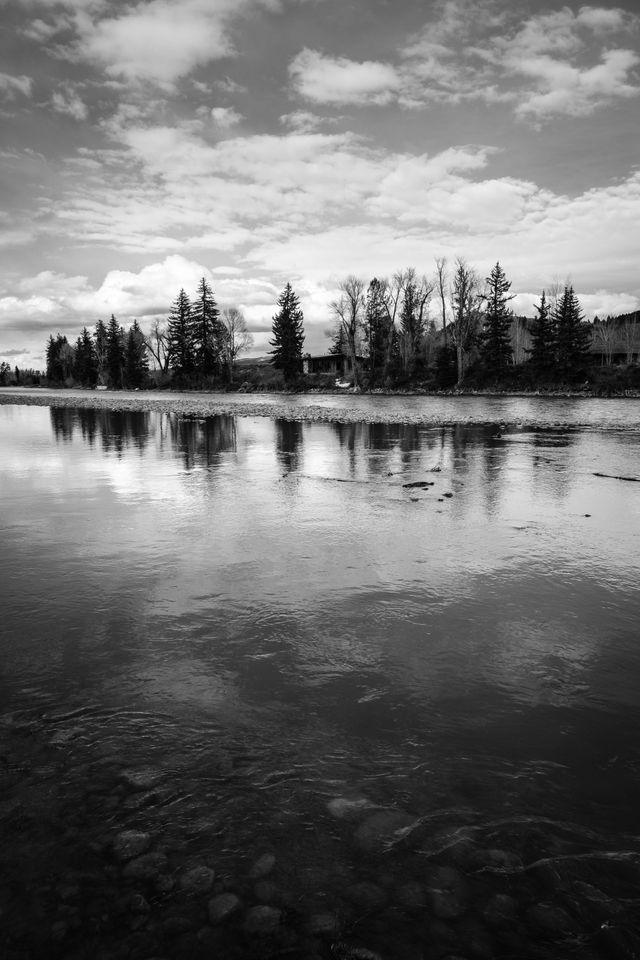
[449,332]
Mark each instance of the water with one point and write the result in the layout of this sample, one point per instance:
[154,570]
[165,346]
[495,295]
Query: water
[246,636]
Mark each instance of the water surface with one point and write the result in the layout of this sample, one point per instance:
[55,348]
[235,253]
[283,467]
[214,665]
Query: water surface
[247,636]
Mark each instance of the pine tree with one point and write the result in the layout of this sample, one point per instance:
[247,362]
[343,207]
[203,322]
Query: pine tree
[572,333]
[288,335]
[85,368]
[114,360]
[208,334]
[496,331]
[136,364]
[181,344]
[100,349]
[375,324]
[542,352]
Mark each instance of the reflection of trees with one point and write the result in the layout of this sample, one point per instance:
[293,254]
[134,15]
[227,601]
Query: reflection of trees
[88,420]
[62,422]
[200,440]
[120,429]
[288,443]
[554,473]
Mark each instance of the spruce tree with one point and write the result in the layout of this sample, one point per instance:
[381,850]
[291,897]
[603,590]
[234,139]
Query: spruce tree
[573,335]
[288,335]
[136,364]
[114,361]
[85,367]
[208,333]
[495,338]
[181,342]
[100,349]
[542,351]
[375,324]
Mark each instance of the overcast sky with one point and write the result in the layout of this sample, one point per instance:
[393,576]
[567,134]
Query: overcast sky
[256,142]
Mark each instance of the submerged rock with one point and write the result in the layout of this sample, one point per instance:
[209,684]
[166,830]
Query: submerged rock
[263,866]
[323,925]
[222,906]
[130,844]
[548,920]
[382,829]
[262,920]
[198,880]
[350,808]
[142,778]
[146,867]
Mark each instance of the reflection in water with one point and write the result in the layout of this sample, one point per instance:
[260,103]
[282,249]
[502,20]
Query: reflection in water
[289,436]
[423,706]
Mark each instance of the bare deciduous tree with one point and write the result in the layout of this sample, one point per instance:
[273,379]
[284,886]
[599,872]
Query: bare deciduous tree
[156,342]
[348,311]
[237,337]
[465,310]
[604,335]
[630,329]
[442,279]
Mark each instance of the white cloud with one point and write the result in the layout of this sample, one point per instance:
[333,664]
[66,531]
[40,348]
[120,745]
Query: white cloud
[341,81]
[301,121]
[226,117]
[66,100]
[10,85]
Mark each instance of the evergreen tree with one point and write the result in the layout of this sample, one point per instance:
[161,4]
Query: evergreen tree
[542,352]
[288,335]
[114,360]
[375,324]
[60,357]
[181,344]
[85,368]
[136,362]
[208,334]
[573,335]
[495,337]
[100,349]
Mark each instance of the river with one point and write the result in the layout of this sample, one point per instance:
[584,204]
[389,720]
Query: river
[283,685]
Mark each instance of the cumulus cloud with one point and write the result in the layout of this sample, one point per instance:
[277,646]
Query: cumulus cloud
[339,80]
[226,117]
[66,100]
[11,86]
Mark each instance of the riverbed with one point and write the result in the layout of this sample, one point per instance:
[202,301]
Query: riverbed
[319,677]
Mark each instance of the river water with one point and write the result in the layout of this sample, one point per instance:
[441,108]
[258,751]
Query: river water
[286,688]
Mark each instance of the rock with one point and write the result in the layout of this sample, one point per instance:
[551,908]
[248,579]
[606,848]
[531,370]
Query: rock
[197,881]
[548,920]
[323,925]
[222,906]
[146,867]
[59,930]
[142,778]
[350,808]
[448,893]
[411,897]
[367,895]
[130,844]
[262,920]
[383,829]
[500,911]
[263,866]
[136,903]
[164,883]
[175,926]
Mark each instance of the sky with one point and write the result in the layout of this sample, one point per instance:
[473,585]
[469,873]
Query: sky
[258,142]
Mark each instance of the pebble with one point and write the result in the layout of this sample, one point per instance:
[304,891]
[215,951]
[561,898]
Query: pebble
[263,866]
[262,920]
[350,808]
[130,844]
[222,906]
[323,925]
[382,829]
[198,880]
[142,778]
[146,867]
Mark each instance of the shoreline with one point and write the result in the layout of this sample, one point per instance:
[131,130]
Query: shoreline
[274,405]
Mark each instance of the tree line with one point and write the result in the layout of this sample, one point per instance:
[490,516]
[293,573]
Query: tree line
[451,329]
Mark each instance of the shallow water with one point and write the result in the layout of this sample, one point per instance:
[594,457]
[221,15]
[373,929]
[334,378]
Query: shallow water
[243,636]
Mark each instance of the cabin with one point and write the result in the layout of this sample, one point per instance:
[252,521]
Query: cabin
[338,364]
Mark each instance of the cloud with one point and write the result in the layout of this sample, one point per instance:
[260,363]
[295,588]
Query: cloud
[66,100]
[301,121]
[341,81]
[11,86]
[226,117]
